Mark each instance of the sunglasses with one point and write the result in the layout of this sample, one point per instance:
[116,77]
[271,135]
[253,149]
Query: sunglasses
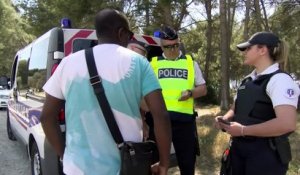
[172,46]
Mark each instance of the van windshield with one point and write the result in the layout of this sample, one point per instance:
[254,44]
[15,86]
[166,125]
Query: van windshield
[80,44]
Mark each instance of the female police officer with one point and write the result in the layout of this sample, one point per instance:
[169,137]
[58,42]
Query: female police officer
[264,112]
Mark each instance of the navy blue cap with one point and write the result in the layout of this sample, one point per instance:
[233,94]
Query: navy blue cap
[262,38]
[168,33]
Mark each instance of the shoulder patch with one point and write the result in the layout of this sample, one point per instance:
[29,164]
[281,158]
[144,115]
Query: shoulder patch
[290,93]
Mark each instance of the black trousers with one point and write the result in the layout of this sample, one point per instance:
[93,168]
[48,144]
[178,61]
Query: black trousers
[254,156]
[184,141]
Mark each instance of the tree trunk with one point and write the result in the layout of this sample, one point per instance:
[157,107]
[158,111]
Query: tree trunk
[147,10]
[208,7]
[224,56]
[258,18]
[247,20]
[266,23]
[165,5]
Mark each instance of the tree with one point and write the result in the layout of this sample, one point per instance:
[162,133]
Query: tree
[46,14]
[225,33]
[265,17]
[208,8]
[247,19]
[13,35]
[285,23]
[150,15]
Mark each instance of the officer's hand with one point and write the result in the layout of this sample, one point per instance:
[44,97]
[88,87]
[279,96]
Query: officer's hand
[216,123]
[184,95]
[234,129]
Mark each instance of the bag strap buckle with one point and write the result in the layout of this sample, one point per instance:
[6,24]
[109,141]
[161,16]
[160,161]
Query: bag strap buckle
[95,80]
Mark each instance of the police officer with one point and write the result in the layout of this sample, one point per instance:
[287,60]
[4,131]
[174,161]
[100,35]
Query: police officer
[138,46]
[181,81]
[264,112]
[141,48]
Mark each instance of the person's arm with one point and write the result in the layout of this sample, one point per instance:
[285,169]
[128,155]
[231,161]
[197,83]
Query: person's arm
[229,114]
[200,87]
[49,121]
[162,126]
[144,106]
[199,91]
[285,122]
[145,125]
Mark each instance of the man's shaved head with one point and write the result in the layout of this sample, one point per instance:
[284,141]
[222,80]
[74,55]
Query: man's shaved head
[109,21]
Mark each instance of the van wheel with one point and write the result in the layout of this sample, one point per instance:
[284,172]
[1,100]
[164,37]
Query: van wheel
[10,133]
[36,166]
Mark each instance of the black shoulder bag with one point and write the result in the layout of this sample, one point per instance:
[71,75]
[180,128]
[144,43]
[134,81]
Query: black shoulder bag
[136,157]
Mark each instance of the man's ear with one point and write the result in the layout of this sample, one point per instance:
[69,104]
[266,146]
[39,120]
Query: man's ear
[122,37]
[120,34]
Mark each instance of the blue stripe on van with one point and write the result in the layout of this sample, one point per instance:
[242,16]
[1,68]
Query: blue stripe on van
[20,120]
[34,117]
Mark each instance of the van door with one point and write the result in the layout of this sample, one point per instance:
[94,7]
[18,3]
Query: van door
[17,108]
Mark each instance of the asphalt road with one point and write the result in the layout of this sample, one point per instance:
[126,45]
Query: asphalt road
[13,155]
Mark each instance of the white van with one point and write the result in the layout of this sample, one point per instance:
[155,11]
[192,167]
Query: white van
[32,67]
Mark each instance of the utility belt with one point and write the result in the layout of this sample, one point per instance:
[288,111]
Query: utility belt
[279,144]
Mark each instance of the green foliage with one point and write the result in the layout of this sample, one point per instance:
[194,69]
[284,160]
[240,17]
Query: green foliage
[195,44]
[13,37]
[46,14]
[37,80]
[22,72]
[285,22]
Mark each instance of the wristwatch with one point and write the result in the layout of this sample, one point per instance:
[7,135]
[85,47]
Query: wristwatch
[190,92]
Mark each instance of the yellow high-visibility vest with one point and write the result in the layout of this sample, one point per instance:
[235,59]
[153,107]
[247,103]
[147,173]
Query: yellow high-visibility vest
[175,77]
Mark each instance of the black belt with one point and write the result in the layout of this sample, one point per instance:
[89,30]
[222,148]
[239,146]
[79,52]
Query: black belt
[249,138]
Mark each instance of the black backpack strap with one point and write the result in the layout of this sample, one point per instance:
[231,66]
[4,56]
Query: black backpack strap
[96,82]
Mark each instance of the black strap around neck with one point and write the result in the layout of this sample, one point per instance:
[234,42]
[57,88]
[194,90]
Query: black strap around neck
[96,82]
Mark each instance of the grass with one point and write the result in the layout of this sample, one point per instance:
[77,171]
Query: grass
[213,142]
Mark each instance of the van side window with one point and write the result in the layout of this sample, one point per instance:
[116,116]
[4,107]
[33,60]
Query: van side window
[22,72]
[37,69]
[80,44]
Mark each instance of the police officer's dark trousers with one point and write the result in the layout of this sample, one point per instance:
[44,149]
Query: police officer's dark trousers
[183,137]
[254,156]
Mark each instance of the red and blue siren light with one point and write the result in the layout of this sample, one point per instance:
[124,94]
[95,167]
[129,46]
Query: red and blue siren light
[65,23]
